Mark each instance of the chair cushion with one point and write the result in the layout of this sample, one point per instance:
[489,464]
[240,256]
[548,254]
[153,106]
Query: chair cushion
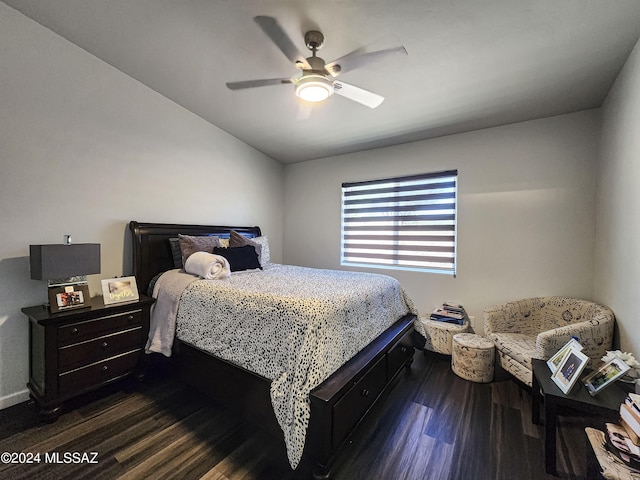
[520,347]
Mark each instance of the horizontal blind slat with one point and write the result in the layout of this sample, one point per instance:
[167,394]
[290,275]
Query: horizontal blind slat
[408,218]
[405,198]
[385,191]
[401,238]
[400,209]
[406,229]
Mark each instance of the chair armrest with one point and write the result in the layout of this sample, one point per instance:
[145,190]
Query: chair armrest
[596,336]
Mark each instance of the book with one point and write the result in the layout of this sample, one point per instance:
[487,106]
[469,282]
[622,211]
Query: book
[633,401]
[630,423]
[441,312]
[631,434]
[441,315]
[450,312]
[633,407]
[447,320]
[451,307]
[617,442]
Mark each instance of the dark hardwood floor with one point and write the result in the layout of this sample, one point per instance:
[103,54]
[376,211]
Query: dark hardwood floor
[432,425]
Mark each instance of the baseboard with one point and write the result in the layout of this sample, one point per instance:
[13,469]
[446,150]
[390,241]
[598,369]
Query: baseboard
[14,399]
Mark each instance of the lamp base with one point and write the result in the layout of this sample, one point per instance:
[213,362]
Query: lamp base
[62,282]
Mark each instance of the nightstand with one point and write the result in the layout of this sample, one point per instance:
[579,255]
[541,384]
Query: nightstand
[76,351]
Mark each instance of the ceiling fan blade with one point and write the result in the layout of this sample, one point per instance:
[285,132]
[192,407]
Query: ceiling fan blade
[274,31]
[257,83]
[357,94]
[359,58]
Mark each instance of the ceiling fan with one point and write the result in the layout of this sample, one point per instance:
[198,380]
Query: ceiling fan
[316,82]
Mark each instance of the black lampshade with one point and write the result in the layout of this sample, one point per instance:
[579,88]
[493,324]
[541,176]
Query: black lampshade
[60,261]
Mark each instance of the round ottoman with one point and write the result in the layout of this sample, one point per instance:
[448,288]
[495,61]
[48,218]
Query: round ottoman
[439,335]
[473,357]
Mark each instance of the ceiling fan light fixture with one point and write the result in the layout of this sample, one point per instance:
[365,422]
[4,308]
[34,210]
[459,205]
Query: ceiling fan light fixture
[314,88]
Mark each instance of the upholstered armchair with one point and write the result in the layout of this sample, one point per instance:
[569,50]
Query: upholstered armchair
[539,327]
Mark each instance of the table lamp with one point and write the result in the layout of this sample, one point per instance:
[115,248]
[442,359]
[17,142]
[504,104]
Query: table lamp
[65,267]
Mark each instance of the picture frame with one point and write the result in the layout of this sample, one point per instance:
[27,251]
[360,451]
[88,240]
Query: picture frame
[119,290]
[569,370]
[604,376]
[68,297]
[556,360]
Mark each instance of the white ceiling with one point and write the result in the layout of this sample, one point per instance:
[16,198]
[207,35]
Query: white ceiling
[471,63]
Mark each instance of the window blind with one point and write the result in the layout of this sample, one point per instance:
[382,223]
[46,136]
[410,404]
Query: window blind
[402,222]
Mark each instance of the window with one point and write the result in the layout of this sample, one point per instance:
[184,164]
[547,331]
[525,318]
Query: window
[401,223]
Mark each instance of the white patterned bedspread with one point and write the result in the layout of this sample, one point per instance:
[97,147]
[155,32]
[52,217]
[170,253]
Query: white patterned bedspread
[292,325]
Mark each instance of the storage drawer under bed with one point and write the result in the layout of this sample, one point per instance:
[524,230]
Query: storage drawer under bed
[348,411]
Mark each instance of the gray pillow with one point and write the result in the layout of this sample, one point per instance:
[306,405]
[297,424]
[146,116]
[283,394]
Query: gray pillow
[190,245]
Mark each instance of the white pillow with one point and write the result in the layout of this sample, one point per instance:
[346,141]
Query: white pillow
[265,256]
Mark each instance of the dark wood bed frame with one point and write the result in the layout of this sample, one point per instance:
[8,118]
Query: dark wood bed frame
[338,405]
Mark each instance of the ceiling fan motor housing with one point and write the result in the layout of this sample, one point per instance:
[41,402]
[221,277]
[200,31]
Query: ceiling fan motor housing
[314,40]
[316,64]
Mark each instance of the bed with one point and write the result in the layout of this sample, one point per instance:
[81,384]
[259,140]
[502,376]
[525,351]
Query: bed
[337,405]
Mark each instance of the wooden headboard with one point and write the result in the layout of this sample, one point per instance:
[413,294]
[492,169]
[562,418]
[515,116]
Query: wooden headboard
[151,250]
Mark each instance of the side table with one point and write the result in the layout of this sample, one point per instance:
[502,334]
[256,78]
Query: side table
[605,405]
[79,350]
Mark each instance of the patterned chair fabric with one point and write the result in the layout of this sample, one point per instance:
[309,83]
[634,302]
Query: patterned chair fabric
[440,334]
[538,327]
[473,357]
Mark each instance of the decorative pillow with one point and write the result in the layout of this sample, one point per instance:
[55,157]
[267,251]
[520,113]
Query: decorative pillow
[261,245]
[239,258]
[174,243]
[190,245]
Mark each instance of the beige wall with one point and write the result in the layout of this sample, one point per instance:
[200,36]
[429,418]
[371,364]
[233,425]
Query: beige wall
[526,211]
[83,150]
[618,214]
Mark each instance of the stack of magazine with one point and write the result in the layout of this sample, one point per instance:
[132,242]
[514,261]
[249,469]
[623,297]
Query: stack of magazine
[451,313]
[622,439]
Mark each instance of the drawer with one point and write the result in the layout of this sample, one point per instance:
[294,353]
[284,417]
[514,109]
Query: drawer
[90,351]
[348,411]
[398,355]
[79,331]
[75,380]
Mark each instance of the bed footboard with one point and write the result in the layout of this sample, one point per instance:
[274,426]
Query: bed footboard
[341,402]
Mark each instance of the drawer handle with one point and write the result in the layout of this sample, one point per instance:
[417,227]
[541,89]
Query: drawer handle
[403,349]
[130,317]
[364,393]
[104,345]
[74,331]
[105,368]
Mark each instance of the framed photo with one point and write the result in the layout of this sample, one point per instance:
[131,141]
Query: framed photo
[608,373]
[119,290]
[68,297]
[556,360]
[569,369]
